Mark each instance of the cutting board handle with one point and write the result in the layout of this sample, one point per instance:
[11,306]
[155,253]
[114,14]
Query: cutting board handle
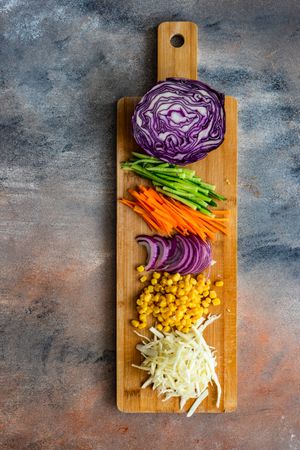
[177,50]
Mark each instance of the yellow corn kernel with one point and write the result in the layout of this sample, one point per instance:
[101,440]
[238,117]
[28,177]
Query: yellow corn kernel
[135,323]
[172,308]
[163,282]
[143,317]
[213,294]
[160,318]
[170,282]
[143,279]
[139,302]
[142,325]
[170,298]
[181,284]
[219,283]
[173,289]
[185,329]
[159,327]
[147,297]
[140,269]
[167,328]
[153,281]
[216,301]
[156,310]
[163,302]
[193,281]
[205,310]
[205,293]
[150,288]
[157,288]
[176,277]
[205,304]
[166,274]
[181,293]
[156,275]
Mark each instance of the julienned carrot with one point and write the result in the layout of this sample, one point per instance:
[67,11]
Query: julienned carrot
[166,215]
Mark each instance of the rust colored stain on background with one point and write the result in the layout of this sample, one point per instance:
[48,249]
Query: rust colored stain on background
[64,66]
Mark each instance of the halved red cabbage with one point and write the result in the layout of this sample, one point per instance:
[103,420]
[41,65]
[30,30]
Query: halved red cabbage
[179,120]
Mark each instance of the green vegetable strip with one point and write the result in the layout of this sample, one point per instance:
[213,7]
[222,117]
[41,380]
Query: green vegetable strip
[217,196]
[182,200]
[168,177]
[186,195]
[184,186]
[212,203]
[210,187]
[143,156]
[146,174]
[165,169]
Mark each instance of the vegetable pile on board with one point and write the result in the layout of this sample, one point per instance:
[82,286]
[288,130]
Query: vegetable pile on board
[175,301]
[179,121]
[167,215]
[180,365]
[183,254]
[175,182]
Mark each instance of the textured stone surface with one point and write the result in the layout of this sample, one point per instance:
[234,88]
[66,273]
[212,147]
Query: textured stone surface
[64,64]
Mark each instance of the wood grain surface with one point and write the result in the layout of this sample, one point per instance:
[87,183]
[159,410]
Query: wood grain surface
[220,168]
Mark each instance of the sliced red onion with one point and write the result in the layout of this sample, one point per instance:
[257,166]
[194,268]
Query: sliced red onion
[152,250]
[176,256]
[164,250]
[203,250]
[187,259]
[194,241]
[183,254]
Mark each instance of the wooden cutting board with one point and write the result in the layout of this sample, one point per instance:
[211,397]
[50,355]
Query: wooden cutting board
[220,168]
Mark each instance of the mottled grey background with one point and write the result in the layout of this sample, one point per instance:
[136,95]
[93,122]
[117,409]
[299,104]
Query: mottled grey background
[63,66]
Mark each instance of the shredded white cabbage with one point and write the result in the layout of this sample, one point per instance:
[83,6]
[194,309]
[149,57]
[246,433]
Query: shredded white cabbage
[180,364]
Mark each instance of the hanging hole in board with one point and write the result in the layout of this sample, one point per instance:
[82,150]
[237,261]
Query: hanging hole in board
[177,40]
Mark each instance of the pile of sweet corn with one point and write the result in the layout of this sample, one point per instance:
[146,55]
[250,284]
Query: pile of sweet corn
[175,301]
